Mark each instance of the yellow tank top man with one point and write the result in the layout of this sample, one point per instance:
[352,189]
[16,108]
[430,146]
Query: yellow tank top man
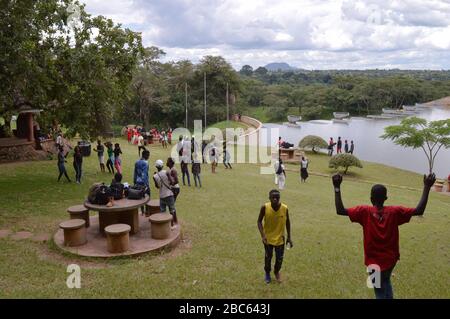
[275,216]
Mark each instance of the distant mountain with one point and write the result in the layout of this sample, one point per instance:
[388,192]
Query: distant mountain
[281,66]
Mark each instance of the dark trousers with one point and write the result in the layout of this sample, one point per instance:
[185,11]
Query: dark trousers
[279,254]
[62,170]
[385,291]
[186,173]
[77,167]
[197,177]
[110,166]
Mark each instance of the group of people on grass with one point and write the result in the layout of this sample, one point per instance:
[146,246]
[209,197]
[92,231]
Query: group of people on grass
[280,171]
[347,148]
[380,228]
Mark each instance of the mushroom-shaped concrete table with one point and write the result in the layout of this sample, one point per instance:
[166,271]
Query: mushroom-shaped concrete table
[124,211]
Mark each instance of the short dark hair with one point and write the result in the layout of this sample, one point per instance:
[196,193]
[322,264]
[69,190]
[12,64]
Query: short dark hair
[145,154]
[118,177]
[274,191]
[378,192]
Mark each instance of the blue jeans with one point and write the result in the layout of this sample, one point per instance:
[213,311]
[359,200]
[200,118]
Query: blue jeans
[167,201]
[197,177]
[385,291]
[186,173]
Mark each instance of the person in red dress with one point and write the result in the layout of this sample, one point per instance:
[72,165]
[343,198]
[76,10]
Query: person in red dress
[380,228]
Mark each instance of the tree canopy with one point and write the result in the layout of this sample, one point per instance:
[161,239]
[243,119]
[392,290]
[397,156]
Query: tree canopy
[313,142]
[345,161]
[78,72]
[416,133]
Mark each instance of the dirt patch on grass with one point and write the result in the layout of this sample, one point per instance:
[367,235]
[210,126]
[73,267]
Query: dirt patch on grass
[50,254]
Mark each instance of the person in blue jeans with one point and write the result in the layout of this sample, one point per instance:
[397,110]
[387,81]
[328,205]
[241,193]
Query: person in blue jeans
[140,176]
[185,172]
[196,170]
[163,182]
[380,225]
[61,166]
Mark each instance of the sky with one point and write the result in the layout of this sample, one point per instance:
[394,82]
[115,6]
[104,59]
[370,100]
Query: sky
[308,34]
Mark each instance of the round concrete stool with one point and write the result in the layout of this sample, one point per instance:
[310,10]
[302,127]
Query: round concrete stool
[118,238]
[74,232]
[153,207]
[79,212]
[160,225]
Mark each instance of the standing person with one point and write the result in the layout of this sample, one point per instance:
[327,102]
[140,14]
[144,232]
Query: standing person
[276,217]
[59,140]
[169,137]
[140,144]
[339,146]
[194,148]
[129,132]
[117,160]
[281,174]
[304,169]
[213,158]
[165,139]
[110,161]
[61,165]
[330,146]
[180,148]
[203,151]
[346,146]
[185,171]
[226,156]
[352,147]
[196,170]
[380,228]
[140,176]
[166,197]
[173,174]
[101,159]
[275,167]
[77,163]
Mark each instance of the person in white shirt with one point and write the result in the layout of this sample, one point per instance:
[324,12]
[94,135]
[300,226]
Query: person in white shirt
[140,144]
[166,198]
[280,173]
[304,169]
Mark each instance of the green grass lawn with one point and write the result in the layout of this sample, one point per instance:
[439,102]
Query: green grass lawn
[228,124]
[221,255]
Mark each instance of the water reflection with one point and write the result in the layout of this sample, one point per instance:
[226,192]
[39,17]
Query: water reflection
[368,145]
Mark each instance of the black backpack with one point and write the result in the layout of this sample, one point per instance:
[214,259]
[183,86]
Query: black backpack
[99,194]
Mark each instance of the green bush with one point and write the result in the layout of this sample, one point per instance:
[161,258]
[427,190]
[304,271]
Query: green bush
[313,142]
[345,161]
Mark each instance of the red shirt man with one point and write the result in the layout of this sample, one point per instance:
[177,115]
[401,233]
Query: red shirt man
[380,228]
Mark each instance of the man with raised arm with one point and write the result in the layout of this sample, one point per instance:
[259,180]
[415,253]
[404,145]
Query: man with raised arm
[380,228]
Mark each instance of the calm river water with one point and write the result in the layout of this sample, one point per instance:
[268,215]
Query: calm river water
[366,133]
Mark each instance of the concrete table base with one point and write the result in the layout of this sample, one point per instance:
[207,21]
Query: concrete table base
[139,243]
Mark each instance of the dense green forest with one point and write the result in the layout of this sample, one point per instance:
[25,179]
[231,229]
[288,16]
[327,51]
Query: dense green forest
[316,94]
[90,75]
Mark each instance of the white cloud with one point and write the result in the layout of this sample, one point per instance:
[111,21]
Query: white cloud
[317,34]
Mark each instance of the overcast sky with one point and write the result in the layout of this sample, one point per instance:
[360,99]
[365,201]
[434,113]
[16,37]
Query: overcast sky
[319,34]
